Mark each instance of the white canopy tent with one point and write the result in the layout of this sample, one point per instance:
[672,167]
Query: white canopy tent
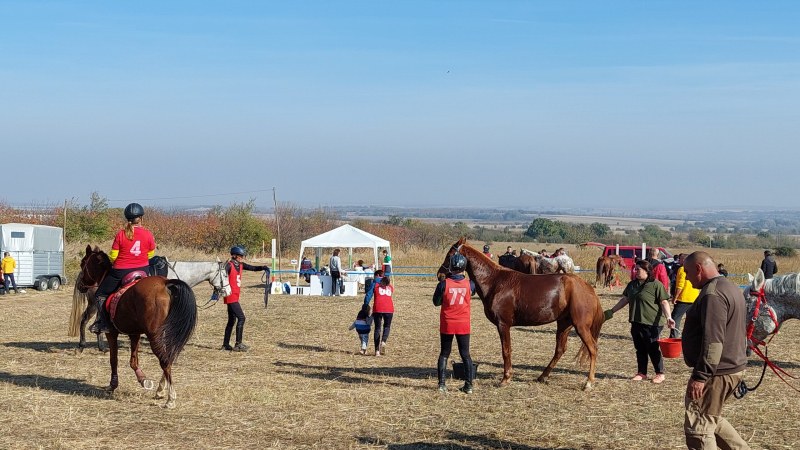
[346,236]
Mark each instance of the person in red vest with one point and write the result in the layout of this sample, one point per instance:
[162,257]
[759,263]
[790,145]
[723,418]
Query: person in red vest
[234,268]
[453,295]
[382,312]
[132,249]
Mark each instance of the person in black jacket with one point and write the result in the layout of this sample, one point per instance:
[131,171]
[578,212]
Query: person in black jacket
[768,265]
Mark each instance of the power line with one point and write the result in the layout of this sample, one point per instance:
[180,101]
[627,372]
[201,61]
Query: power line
[193,196]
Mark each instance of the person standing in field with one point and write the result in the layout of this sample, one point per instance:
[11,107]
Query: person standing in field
[453,294]
[648,302]
[335,264]
[382,313]
[685,295]
[132,249]
[387,263]
[234,268]
[714,345]
[8,266]
[768,265]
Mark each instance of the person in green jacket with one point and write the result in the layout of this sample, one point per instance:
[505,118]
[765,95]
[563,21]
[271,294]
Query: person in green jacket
[648,311]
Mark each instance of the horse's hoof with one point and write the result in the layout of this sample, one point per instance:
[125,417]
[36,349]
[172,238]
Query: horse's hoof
[148,384]
[169,405]
[588,386]
[542,380]
[504,383]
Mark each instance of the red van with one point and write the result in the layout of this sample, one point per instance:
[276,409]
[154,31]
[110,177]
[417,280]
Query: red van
[630,252]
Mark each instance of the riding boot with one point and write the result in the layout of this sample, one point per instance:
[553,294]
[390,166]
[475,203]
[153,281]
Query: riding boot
[101,322]
[469,374]
[441,370]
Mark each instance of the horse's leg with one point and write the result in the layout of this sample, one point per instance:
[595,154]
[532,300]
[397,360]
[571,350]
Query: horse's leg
[505,343]
[87,314]
[112,346]
[140,376]
[562,333]
[161,385]
[584,331]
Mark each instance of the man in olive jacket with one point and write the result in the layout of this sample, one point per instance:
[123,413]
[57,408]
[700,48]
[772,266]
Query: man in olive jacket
[714,344]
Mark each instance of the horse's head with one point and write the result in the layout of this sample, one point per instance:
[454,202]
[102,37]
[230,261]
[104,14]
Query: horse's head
[95,264]
[222,285]
[444,269]
[763,323]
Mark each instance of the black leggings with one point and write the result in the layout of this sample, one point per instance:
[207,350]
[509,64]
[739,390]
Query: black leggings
[111,281]
[645,340]
[386,318]
[446,341]
[234,313]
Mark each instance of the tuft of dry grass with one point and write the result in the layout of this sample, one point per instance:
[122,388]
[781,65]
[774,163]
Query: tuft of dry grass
[303,385]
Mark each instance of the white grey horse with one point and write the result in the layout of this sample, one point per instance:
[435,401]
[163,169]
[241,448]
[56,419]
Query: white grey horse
[783,300]
[560,263]
[191,272]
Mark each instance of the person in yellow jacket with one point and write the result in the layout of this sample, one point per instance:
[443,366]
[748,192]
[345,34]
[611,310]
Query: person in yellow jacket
[685,295]
[8,265]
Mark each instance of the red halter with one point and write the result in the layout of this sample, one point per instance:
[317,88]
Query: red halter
[753,343]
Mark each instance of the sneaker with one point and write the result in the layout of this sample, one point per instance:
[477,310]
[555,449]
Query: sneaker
[240,347]
[383,348]
[226,347]
[659,378]
[639,377]
[377,353]
[442,387]
[467,388]
[363,351]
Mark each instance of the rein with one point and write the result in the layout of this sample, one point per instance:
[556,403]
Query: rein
[214,295]
[753,344]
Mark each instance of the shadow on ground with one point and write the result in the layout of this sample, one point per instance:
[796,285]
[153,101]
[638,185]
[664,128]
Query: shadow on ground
[457,441]
[68,386]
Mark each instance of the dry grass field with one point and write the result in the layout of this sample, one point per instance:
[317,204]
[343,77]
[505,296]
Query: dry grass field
[303,385]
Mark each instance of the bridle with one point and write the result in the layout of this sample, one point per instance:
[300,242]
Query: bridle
[753,344]
[218,290]
[448,268]
[82,283]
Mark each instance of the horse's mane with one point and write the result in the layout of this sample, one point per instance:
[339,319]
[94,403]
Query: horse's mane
[784,285]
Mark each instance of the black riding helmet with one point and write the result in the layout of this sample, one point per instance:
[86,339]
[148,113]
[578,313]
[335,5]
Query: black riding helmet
[238,250]
[458,262]
[133,211]
[486,248]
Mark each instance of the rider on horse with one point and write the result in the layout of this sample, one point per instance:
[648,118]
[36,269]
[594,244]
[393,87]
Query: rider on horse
[133,246]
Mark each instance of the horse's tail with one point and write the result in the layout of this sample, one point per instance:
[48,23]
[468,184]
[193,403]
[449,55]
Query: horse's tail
[584,356]
[180,322]
[79,300]
[600,272]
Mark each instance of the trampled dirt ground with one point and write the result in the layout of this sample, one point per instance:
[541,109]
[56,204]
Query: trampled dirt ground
[303,385]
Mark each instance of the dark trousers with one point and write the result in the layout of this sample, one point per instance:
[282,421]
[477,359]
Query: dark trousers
[235,315]
[335,277]
[8,278]
[382,336]
[111,281]
[446,345]
[645,340]
[678,311]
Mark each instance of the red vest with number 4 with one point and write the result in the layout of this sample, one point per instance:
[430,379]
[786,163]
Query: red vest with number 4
[455,315]
[235,277]
[133,252]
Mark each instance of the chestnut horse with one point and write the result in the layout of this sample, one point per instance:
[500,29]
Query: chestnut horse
[163,310]
[605,269]
[512,298]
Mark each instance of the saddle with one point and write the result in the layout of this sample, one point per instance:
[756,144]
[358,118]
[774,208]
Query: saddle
[127,282]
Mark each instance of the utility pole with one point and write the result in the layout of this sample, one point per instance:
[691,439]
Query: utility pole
[278,229]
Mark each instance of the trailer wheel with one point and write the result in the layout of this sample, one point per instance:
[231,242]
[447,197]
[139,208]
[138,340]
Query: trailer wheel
[40,284]
[54,283]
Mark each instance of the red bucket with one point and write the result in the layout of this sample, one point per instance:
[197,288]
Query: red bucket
[670,347]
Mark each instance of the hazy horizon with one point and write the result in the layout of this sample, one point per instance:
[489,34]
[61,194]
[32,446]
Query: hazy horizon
[508,104]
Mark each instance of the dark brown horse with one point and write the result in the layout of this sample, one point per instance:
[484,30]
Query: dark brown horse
[512,298]
[163,310]
[605,269]
[524,263]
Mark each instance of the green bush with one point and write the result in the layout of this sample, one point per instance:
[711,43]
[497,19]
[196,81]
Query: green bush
[785,251]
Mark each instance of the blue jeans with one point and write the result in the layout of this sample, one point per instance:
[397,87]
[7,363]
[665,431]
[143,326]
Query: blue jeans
[678,311]
[9,280]
[364,337]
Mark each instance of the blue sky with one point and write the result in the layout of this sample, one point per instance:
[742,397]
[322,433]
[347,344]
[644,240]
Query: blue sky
[449,103]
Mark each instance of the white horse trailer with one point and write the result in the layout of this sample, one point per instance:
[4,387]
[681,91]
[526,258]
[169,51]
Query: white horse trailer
[39,252]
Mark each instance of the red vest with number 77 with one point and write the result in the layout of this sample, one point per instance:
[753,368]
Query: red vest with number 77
[455,315]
